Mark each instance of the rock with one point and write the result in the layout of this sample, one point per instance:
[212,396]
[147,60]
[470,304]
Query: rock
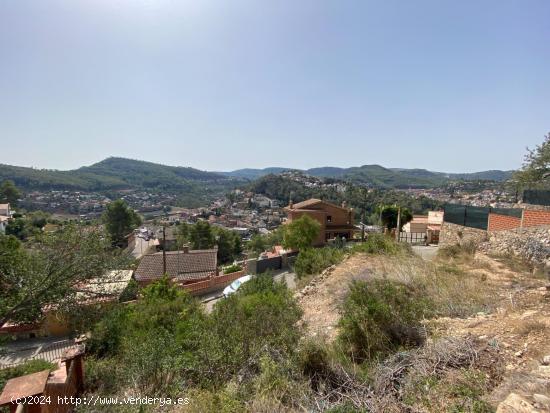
[544,371]
[546,360]
[542,400]
[514,403]
[518,353]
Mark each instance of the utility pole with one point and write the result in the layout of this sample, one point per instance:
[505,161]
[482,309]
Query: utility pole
[363,227]
[398,229]
[164,250]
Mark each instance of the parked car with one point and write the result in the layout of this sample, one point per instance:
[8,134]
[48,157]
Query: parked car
[235,285]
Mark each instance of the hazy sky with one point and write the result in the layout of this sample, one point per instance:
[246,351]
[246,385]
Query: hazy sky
[450,85]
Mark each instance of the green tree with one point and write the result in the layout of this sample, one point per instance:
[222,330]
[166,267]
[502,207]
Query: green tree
[535,171]
[389,216]
[226,246]
[51,270]
[300,233]
[201,236]
[9,193]
[257,244]
[182,234]
[119,221]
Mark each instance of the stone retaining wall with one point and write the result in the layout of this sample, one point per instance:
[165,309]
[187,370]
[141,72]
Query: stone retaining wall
[452,234]
[531,244]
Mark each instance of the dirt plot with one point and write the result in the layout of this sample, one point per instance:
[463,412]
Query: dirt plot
[516,325]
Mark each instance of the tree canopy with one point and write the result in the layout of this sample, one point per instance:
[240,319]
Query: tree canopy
[49,268]
[201,236]
[9,193]
[535,172]
[119,221]
[300,233]
[389,216]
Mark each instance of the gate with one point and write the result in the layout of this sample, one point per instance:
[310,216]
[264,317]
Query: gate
[414,238]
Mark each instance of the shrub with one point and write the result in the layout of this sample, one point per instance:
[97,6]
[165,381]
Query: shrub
[315,260]
[232,268]
[31,366]
[381,316]
[261,315]
[380,244]
[465,250]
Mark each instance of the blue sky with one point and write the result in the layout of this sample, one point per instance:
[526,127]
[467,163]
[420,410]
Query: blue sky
[439,84]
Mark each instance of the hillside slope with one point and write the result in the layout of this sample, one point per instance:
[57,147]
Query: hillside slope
[116,173]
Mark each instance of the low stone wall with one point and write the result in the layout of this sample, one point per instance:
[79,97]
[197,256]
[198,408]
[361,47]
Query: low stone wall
[531,244]
[452,234]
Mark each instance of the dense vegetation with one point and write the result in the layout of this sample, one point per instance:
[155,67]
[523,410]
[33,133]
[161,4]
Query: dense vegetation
[378,176]
[194,186]
[363,200]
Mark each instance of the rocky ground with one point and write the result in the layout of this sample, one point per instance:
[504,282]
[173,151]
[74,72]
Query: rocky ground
[517,325]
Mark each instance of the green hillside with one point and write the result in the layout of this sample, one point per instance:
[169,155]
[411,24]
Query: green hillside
[117,173]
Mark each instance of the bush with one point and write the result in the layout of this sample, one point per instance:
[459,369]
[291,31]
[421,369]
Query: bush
[380,244]
[314,260]
[232,268]
[31,366]
[261,316]
[381,316]
[465,250]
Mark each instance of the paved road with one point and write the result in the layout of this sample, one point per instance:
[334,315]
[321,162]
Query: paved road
[141,247]
[427,252]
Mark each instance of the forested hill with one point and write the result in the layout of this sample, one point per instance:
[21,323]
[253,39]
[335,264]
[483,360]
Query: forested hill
[380,177]
[116,173]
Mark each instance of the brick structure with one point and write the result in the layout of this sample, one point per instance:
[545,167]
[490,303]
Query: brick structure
[499,222]
[535,218]
[336,221]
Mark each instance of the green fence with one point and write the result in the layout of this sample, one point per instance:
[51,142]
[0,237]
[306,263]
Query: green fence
[475,217]
[537,197]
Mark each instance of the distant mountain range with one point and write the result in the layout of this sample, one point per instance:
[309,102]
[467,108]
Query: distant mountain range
[381,177]
[121,173]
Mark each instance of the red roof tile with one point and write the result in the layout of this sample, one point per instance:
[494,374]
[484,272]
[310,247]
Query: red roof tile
[180,266]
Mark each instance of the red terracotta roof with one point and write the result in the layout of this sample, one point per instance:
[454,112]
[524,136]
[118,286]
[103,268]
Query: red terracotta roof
[180,266]
[313,201]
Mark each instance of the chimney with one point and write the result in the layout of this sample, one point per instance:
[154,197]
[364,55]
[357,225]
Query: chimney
[186,249]
[290,204]
[343,204]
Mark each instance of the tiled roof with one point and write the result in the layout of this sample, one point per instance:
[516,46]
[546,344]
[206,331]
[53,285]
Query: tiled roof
[180,266]
[306,203]
[314,201]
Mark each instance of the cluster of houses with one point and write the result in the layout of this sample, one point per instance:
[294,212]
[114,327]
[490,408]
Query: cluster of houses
[5,215]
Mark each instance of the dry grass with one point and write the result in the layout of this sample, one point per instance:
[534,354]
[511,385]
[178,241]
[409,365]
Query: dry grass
[454,291]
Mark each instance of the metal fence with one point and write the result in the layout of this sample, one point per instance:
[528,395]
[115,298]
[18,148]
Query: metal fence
[415,238]
[537,197]
[475,217]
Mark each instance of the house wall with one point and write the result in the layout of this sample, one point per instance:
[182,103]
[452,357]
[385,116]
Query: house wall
[531,218]
[338,217]
[318,215]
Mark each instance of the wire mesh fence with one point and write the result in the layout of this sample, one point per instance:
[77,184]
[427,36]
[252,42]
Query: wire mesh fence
[475,217]
[537,197]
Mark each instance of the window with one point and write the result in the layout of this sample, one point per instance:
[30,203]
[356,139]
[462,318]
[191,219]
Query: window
[329,218]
